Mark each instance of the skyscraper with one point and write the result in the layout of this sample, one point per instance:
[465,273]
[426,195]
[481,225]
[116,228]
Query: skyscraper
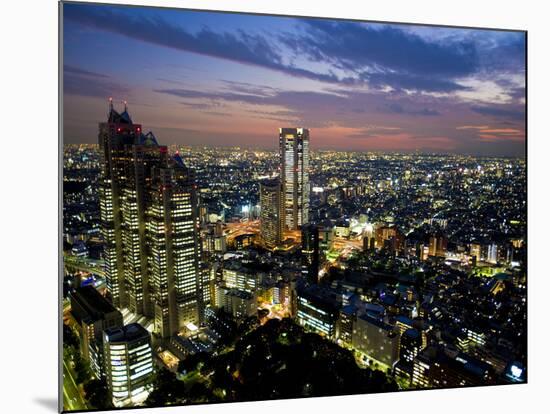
[270,213]
[310,252]
[438,245]
[116,137]
[174,249]
[148,211]
[294,165]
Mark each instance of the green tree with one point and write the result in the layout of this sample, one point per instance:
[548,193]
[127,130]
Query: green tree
[97,394]
[167,390]
[199,392]
[69,337]
[82,368]
[191,362]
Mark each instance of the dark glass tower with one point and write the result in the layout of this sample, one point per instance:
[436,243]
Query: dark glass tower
[270,213]
[310,252]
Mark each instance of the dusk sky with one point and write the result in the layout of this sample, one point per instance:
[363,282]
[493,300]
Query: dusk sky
[206,78]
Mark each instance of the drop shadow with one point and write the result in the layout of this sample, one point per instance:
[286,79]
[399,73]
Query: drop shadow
[49,403]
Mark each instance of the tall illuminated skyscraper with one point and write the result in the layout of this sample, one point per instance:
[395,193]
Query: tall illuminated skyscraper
[148,211]
[174,249]
[270,213]
[294,165]
[126,162]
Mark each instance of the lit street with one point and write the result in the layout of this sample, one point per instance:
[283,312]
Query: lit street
[72,399]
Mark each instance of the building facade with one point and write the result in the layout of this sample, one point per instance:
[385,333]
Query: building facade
[270,213]
[94,314]
[174,249]
[435,367]
[294,165]
[316,312]
[128,364]
[310,252]
[376,339]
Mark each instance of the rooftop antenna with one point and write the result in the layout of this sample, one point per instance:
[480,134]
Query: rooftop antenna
[125,106]
[110,103]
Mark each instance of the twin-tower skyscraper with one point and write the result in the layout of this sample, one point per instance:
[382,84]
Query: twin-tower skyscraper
[148,214]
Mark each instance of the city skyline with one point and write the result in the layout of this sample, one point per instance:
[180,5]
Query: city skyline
[221,79]
[362,253]
[400,219]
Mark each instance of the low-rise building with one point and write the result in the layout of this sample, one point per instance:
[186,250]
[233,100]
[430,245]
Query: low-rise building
[376,339]
[93,314]
[128,361]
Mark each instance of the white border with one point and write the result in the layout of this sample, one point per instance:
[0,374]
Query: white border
[28,31]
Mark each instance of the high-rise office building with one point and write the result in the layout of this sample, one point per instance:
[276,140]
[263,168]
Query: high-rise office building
[310,252]
[475,252]
[346,320]
[127,158]
[294,165]
[116,137]
[174,249]
[436,367]
[128,363]
[317,311]
[376,339]
[326,238]
[389,237]
[238,303]
[270,214]
[438,245]
[410,344]
[240,277]
[213,240]
[148,211]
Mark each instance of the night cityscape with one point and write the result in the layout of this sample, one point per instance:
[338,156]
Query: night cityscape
[357,223]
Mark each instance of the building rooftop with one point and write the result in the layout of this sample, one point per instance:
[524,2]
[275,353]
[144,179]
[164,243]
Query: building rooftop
[456,361]
[119,118]
[148,139]
[321,296]
[270,182]
[240,294]
[127,333]
[376,322]
[91,304]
